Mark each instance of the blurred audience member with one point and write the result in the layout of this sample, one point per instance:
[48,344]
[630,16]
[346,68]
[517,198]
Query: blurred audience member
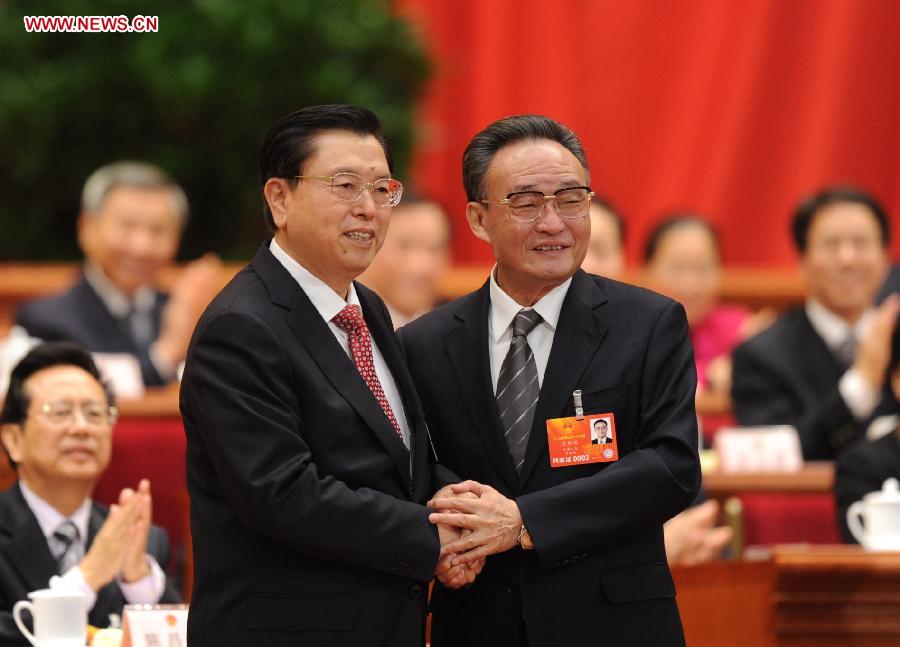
[56,428]
[865,466]
[132,216]
[822,366]
[408,269]
[605,253]
[684,262]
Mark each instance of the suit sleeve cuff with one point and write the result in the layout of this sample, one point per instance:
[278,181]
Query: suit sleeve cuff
[859,397]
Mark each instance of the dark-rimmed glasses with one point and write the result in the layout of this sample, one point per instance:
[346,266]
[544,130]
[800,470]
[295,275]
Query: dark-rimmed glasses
[572,203]
[349,187]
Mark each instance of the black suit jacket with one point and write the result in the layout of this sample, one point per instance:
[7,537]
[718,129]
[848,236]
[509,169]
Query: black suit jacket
[79,315]
[598,574]
[786,375]
[26,564]
[861,469]
[307,526]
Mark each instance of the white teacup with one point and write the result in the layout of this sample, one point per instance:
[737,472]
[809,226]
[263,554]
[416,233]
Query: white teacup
[875,521]
[59,618]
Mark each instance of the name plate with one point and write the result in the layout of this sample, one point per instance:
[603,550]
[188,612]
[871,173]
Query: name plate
[759,449]
[155,625]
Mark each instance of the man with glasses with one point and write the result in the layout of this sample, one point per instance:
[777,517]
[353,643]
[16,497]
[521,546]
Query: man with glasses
[821,367]
[575,552]
[308,459]
[56,428]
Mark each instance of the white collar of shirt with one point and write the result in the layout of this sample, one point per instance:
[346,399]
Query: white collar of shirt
[504,308]
[326,301]
[116,301]
[49,518]
[832,328]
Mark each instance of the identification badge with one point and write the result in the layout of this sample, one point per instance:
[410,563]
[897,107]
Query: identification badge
[580,440]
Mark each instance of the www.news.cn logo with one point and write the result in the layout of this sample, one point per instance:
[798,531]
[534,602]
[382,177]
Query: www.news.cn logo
[92,24]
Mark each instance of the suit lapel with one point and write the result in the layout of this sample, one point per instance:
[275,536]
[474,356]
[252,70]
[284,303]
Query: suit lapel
[579,332]
[318,340]
[468,354]
[23,541]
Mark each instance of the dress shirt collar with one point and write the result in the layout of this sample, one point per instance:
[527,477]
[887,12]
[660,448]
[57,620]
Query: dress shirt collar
[504,308]
[326,301]
[49,518]
[832,328]
[116,301]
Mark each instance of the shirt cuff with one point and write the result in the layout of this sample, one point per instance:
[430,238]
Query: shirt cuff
[74,581]
[859,397]
[162,365]
[148,589]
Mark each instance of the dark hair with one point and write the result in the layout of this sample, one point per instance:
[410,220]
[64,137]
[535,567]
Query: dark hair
[291,141]
[674,221]
[617,217]
[599,420]
[45,355]
[509,130]
[808,208]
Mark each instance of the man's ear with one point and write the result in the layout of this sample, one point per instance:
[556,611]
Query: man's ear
[277,193]
[476,214]
[10,436]
[86,226]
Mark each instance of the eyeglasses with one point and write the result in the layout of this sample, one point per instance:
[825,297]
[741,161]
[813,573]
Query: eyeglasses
[349,187]
[94,414]
[572,203]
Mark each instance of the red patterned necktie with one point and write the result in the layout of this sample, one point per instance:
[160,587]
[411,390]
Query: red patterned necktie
[350,320]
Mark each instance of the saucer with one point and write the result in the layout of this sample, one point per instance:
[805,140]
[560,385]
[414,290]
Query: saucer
[891,542]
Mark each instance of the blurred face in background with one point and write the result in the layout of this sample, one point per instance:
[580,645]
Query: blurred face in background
[408,270]
[605,256]
[845,260]
[686,267]
[133,235]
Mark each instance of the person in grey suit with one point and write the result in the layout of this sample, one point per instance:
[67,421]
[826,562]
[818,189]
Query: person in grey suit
[821,367]
[575,552]
[132,216]
[56,428]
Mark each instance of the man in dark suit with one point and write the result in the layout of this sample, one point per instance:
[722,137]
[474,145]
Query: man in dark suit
[57,429]
[308,459]
[821,367]
[865,466]
[576,551]
[600,434]
[132,216]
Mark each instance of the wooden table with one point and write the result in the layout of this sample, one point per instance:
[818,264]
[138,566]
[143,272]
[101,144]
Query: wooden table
[798,596]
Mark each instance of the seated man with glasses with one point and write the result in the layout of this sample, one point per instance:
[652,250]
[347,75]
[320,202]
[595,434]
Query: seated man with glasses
[56,428]
[821,367]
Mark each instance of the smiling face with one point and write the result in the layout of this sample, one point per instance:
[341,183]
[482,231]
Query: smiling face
[845,260]
[334,239]
[532,258]
[133,235]
[55,453]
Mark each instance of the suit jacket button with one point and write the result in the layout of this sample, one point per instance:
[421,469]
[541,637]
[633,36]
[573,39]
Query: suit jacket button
[415,591]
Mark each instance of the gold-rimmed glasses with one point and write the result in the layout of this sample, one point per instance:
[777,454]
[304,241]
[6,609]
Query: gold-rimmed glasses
[63,412]
[572,203]
[349,187]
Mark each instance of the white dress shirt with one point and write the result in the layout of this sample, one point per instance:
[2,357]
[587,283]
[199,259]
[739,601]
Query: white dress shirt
[328,303]
[500,317]
[859,396]
[147,590]
[120,306]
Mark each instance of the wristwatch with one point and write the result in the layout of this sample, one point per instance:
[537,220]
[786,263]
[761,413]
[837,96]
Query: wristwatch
[525,539]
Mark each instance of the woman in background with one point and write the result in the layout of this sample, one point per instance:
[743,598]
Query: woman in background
[684,262]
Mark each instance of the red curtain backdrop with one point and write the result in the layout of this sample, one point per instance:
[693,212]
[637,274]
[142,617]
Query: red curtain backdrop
[733,108]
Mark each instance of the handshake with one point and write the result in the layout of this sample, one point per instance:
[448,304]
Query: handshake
[473,521]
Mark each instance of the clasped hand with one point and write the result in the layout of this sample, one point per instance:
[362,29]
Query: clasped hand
[474,521]
[120,547]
